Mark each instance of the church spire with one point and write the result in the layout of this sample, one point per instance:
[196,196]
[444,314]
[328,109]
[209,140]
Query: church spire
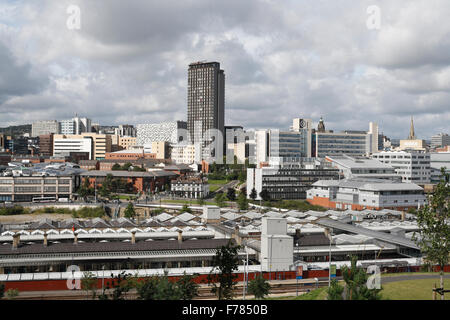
[412,135]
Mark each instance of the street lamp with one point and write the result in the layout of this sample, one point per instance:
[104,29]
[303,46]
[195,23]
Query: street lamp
[245,274]
[329,234]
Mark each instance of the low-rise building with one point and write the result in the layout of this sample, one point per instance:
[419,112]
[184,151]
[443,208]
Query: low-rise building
[129,155]
[138,181]
[411,165]
[363,167]
[360,194]
[289,180]
[190,187]
[39,181]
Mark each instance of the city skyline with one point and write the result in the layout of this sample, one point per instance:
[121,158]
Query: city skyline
[281,62]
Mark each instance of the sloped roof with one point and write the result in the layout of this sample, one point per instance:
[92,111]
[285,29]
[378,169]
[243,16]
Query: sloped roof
[186,216]
[163,217]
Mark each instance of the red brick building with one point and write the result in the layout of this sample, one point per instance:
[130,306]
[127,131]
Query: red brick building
[140,181]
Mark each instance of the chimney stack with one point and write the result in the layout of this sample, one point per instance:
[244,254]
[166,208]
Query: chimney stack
[16,241]
[180,236]
[45,239]
[75,239]
[133,237]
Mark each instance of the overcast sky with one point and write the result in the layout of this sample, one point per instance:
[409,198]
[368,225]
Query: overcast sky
[282,59]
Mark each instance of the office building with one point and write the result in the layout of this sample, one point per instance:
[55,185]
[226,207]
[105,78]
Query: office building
[439,160]
[288,180]
[440,140]
[412,165]
[126,130]
[126,142]
[46,145]
[360,194]
[206,105]
[161,149]
[349,142]
[75,125]
[23,184]
[46,127]
[362,167]
[172,132]
[64,145]
[276,144]
[184,153]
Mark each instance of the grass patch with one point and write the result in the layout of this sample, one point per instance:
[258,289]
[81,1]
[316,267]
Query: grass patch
[412,289]
[412,273]
[15,210]
[214,187]
[84,212]
[213,181]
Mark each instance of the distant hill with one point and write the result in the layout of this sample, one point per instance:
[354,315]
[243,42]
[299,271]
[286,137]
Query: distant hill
[16,130]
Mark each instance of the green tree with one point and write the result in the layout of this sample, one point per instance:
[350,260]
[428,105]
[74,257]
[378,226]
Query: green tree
[129,211]
[355,279]
[335,291]
[259,287]
[116,167]
[187,287]
[242,176]
[253,194]
[121,284]
[242,201]
[107,185]
[11,294]
[225,262]
[167,290]
[85,189]
[147,289]
[89,283]
[231,194]
[127,166]
[186,208]
[264,194]
[433,236]
[220,199]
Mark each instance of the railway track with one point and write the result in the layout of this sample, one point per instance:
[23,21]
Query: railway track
[288,287]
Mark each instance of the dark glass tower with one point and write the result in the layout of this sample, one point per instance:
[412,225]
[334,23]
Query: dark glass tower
[206,99]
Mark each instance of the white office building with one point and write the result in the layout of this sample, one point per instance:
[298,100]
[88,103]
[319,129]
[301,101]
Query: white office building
[63,146]
[412,165]
[75,125]
[363,167]
[360,194]
[349,142]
